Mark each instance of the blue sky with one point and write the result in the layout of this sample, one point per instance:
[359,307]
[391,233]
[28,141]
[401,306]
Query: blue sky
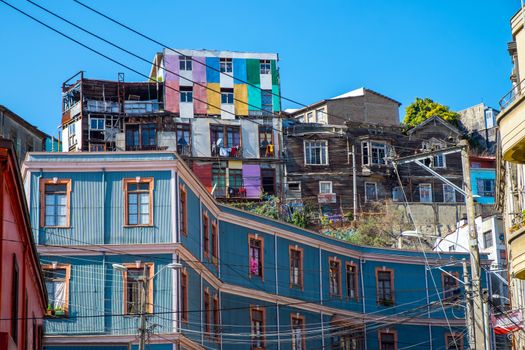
[449,50]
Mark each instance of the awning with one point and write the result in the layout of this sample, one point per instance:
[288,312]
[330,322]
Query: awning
[508,322]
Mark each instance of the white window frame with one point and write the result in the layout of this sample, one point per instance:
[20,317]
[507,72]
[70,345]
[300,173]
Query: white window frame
[265,67]
[185,61]
[310,117]
[369,145]
[324,183]
[420,196]
[185,92]
[320,116]
[325,142]
[225,65]
[366,196]
[428,146]
[98,120]
[228,94]
[445,186]
[72,140]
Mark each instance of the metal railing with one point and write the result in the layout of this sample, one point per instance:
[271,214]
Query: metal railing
[512,95]
[226,152]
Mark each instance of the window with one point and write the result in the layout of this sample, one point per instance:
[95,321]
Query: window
[453,341]
[348,338]
[214,243]
[387,340]
[325,187]
[266,67]
[15,291]
[184,295]
[97,147]
[439,161]
[436,161]
[185,63]
[133,279]
[449,194]
[227,96]
[334,274]
[351,281]
[138,200]
[141,137]
[235,183]
[97,123]
[488,241]
[320,116]
[296,267]
[225,141]
[183,210]
[489,118]
[71,134]
[216,318]
[373,153]
[370,191]
[266,145]
[397,194]
[294,186]
[186,94]
[450,286]
[218,175]
[298,339]
[316,152]
[184,139]
[485,187]
[256,256]
[425,193]
[310,117]
[266,100]
[301,118]
[207,313]
[54,200]
[385,286]
[268,180]
[205,235]
[56,277]
[257,317]
[226,65]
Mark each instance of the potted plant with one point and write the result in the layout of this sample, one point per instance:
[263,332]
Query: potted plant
[50,311]
[59,311]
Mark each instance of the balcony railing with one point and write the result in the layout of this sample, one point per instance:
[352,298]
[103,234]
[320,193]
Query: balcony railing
[142,107]
[512,95]
[184,150]
[226,152]
[229,192]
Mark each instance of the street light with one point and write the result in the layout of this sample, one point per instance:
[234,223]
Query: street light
[143,293]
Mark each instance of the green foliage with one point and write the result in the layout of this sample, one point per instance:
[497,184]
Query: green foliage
[300,218]
[422,109]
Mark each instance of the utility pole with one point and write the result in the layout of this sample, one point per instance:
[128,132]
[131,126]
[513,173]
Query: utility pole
[354,182]
[468,307]
[475,297]
[143,297]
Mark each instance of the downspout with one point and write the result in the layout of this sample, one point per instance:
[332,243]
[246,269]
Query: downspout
[361,261]
[321,296]
[428,308]
[277,291]
[104,190]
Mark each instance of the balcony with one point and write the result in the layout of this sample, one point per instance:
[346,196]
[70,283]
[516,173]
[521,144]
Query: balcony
[226,152]
[511,122]
[516,242]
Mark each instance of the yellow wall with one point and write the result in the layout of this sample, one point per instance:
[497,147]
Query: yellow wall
[240,93]
[214,98]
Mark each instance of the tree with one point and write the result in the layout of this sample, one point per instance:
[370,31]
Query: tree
[422,109]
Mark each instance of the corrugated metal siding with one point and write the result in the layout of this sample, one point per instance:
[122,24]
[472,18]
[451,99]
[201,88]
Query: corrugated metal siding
[192,241]
[116,233]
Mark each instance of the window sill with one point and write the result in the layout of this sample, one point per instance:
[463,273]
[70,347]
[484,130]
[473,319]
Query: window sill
[131,226]
[66,227]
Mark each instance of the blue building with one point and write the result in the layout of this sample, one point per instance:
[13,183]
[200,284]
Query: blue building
[483,178]
[103,220]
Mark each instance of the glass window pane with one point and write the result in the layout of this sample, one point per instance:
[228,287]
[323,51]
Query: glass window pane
[132,198]
[50,220]
[132,219]
[144,219]
[50,199]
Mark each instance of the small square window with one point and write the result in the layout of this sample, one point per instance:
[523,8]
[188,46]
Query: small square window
[97,123]
[186,94]
[226,65]
[266,67]
[227,96]
[185,63]
[325,187]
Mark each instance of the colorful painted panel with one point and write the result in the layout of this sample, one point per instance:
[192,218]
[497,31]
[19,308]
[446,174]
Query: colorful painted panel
[171,63]
[214,98]
[251,175]
[275,73]
[276,98]
[212,74]
[203,173]
[200,95]
[253,71]
[254,98]
[240,92]
[199,69]
[239,71]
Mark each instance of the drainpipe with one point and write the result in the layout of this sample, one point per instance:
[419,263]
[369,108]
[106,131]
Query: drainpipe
[428,307]
[320,278]
[361,261]
[276,290]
